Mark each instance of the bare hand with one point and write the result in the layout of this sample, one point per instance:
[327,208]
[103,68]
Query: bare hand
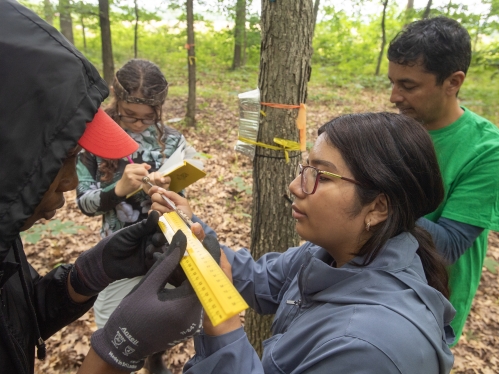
[159,180]
[131,178]
[159,204]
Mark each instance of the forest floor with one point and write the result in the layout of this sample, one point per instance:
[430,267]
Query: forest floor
[221,200]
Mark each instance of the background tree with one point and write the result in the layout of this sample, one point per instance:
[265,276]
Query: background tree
[239,34]
[48,11]
[427,10]
[383,37]
[190,116]
[316,11]
[409,12]
[65,20]
[107,45]
[136,28]
[285,60]
[85,12]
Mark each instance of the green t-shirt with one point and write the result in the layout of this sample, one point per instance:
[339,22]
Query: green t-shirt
[468,156]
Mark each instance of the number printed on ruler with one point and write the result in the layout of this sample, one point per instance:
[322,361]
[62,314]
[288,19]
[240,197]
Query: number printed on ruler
[217,294]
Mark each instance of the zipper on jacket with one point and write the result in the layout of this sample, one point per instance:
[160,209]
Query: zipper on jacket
[294,302]
[22,354]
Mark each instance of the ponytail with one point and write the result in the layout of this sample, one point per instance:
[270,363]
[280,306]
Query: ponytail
[433,262]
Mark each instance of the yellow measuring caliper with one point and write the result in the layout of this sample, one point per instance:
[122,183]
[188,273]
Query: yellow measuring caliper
[217,294]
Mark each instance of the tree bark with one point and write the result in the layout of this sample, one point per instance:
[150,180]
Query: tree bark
[316,11]
[136,30]
[285,58]
[83,34]
[65,20]
[48,12]
[383,38]
[239,34]
[107,46]
[190,116]
[427,10]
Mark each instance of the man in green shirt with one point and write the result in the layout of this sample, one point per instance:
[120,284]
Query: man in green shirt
[428,62]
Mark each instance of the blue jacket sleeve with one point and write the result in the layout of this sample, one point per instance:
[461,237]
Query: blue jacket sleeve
[451,238]
[225,354]
[263,283]
[353,356]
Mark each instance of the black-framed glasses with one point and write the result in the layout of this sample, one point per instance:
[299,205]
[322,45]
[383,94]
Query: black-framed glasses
[310,178]
[128,119]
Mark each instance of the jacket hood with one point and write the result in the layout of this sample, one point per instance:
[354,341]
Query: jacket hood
[48,93]
[398,259]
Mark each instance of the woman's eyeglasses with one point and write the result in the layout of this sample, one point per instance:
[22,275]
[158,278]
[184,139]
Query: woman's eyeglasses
[310,178]
[128,119]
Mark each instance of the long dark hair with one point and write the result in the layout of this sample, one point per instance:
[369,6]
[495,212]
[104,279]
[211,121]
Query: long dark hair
[393,154]
[139,78]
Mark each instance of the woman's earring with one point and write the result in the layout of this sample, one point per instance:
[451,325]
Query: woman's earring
[368,226]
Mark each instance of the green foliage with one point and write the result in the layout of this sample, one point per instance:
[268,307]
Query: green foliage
[240,185]
[491,265]
[352,44]
[51,228]
[346,47]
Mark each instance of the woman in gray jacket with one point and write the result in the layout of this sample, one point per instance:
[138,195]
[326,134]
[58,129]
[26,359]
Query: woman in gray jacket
[367,292]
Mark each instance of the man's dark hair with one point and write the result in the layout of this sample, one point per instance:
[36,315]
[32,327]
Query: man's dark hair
[440,44]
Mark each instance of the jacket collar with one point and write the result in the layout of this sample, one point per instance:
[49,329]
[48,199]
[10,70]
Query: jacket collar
[398,254]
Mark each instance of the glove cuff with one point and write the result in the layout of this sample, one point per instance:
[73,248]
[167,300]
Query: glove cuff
[89,275]
[117,350]
[78,285]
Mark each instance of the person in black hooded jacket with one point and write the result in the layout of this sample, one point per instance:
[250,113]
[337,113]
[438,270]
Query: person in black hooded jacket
[49,110]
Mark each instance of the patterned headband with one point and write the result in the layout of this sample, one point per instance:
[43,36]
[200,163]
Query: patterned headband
[123,94]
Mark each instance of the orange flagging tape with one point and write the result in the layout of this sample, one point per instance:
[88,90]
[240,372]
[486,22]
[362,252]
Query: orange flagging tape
[301,120]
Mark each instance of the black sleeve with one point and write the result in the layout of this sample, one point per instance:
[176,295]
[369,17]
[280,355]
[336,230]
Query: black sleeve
[91,198]
[451,238]
[53,305]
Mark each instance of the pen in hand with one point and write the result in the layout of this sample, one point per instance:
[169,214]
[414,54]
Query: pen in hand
[171,204]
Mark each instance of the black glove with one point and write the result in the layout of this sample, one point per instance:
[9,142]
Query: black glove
[211,244]
[150,318]
[127,253]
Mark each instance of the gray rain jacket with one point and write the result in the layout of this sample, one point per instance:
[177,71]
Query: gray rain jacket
[48,92]
[382,318]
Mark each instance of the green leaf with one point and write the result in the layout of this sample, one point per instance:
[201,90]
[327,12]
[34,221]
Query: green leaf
[32,237]
[491,265]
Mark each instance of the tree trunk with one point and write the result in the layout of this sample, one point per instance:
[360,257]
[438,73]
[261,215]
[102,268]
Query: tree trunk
[239,34]
[65,20]
[316,11]
[84,36]
[190,116]
[427,10]
[409,12]
[285,58]
[136,30]
[48,12]
[107,46]
[383,37]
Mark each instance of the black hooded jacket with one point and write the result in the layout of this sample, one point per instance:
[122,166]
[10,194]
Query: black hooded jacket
[48,92]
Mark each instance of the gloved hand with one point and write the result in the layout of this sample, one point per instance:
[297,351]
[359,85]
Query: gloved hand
[211,244]
[126,253]
[150,318]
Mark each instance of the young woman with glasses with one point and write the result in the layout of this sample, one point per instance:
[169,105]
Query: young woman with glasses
[367,291]
[139,92]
